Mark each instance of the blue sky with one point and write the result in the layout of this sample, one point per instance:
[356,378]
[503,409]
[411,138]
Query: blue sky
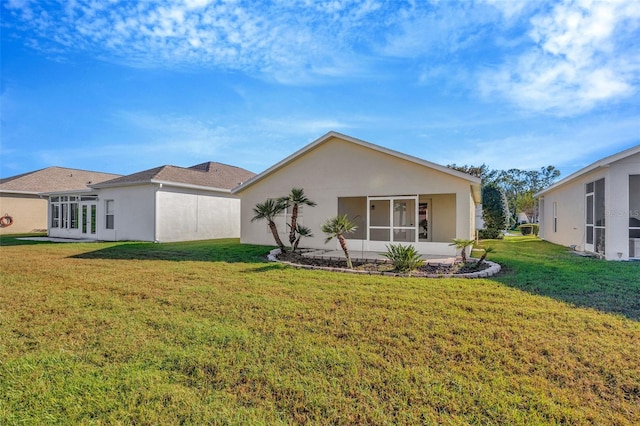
[123,86]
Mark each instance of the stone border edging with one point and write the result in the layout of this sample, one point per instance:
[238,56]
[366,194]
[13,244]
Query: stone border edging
[492,270]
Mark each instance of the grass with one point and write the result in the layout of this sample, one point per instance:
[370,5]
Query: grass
[540,268]
[208,332]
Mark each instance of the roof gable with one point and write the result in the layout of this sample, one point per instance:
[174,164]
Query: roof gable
[605,162]
[475,182]
[53,179]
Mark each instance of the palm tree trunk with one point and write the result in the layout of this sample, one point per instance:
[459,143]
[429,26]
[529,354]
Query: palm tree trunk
[343,244]
[274,231]
[294,221]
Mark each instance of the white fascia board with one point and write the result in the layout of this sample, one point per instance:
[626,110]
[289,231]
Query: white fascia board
[71,192]
[190,186]
[605,162]
[163,183]
[4,191]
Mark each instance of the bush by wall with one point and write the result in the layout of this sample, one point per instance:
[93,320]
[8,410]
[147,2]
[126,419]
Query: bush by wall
[529,228]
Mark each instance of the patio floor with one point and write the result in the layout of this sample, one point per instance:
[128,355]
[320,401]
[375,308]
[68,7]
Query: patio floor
[56,240]
[372,256]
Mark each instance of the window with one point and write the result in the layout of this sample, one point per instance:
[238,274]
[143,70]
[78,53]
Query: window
[73,214]
[109,214]
[634,216]
[93,218]
[55,214]
[595,217]
[84,220]
[555,217]
[65,213]
[393,219]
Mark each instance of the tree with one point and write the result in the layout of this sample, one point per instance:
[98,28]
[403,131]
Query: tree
[477,171]
[487,250]
[337,227]
[295,199]
[302,231]
[268,210]
[462,245]
[495,209]
[518,185]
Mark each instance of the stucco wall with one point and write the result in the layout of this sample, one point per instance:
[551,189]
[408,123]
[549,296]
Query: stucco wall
[197,215]
[570,200]
[618,207]
[341,169]
[29,213]
[134,215]
[442,227]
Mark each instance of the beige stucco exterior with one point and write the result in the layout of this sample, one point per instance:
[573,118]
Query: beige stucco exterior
[339,172]
[567,199]
[28,212]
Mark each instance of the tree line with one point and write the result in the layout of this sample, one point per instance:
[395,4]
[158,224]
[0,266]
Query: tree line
[506,193]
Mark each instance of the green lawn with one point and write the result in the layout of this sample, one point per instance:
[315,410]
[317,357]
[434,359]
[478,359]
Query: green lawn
[208,332]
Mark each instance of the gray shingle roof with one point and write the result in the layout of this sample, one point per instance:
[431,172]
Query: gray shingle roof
[210,174]
[53,179]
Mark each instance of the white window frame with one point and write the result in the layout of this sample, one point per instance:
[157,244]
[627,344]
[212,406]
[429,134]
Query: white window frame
[109,213]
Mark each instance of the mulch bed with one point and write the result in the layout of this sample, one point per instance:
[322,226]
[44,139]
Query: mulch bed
[384,266]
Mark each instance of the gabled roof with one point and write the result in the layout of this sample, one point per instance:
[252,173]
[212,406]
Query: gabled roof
[605,162]
[210,175]
[52,179]
[474,181]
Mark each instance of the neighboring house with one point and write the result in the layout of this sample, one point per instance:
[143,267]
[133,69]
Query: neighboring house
[163,204]
[391,197]
[596,209]
[22,201]
[522,218]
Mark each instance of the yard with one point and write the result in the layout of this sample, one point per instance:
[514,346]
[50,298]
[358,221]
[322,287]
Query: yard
[209,332]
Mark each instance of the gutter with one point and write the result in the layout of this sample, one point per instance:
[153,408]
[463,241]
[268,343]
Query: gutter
[162,183]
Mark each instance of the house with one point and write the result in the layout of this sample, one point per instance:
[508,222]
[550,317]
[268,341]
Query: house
[163,204]
[392,197]
[22,205]
[597,208]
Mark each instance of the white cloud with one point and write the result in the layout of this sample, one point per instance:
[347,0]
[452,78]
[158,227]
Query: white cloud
[585,54]
[289,41]
[578,54]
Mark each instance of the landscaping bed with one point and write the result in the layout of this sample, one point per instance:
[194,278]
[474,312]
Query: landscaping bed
[431,270]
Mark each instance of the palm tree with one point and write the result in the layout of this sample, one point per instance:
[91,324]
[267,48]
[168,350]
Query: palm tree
[462,244]
[336,227]
[268,210]
[487,250]
[295,198]
[302,231]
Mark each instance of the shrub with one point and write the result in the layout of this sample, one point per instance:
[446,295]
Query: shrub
[490,234]
[404,258]
[495,208]
[529,228]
